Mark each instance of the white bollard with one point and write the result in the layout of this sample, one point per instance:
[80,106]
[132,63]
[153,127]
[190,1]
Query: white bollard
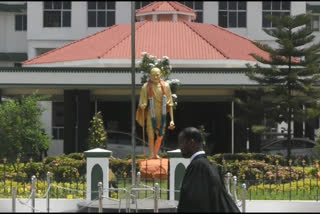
[235,188]
[244,195]
[48,196]
[156,194]
[228,182]
[138,184]
[33,193]
[14,197]
[100,196]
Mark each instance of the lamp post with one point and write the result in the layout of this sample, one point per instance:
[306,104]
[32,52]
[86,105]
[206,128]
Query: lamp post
[133,94]
[248,143]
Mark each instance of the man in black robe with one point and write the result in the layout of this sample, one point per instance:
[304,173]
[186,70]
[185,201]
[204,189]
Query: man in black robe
[202,188]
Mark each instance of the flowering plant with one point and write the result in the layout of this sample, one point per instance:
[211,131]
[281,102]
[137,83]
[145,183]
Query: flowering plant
[148,62]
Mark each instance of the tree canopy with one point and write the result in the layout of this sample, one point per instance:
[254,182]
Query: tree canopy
[287,79]
[22,134]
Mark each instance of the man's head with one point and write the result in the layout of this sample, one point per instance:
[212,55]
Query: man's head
[155,75]
[190,141]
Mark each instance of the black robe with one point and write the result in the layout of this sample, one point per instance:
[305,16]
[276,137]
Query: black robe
[203,190]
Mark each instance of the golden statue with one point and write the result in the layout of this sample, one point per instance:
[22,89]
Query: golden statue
[155,102]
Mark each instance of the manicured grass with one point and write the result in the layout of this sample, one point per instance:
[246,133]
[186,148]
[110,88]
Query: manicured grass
[308,189]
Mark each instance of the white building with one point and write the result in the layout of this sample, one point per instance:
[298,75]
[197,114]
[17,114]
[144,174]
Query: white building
[29,29]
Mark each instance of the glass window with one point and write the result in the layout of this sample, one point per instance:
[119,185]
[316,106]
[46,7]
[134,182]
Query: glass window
[233,14]
[66,19]
[276,5]
[242,19]
[101,13]
[188,4]
[91,5]
[232,19]
[20,22]
[47,5]
[223,5]
[92,18]
[232,5]
[223,19]
[266,5]
[197,6]
[141,4]
[274,8]
[101,19]
[111,18]
[57,14]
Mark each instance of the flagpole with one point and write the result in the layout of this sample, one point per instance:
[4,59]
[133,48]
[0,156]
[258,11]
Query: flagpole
[133,99]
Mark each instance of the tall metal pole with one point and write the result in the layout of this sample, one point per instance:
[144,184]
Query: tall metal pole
[133,94]
[232,128]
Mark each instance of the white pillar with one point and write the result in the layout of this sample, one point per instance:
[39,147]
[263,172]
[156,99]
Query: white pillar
[154,17]
[174,17]
[100,157]
[46,116]
[175,159]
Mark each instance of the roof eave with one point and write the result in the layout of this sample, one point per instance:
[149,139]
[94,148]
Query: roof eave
[123,63]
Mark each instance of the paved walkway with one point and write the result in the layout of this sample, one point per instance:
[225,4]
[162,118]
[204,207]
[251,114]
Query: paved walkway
[282,206]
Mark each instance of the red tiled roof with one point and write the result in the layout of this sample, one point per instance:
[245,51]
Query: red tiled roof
[164,6]
[177,40]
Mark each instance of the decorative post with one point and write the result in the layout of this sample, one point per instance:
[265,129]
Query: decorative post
[33,193]
[248,142]
[156,197]
[100,196]
[48,195]
[178,165]
[97,171]
[244,196]
[14,197]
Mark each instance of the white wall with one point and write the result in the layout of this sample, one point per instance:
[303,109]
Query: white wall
[123,12]
[34,44]
[36,31]
[11,40]
[210,12]
[40,37]
[6,64]
[46,116]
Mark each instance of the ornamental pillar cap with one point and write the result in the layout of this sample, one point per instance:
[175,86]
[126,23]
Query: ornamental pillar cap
[175,153]
[98,152]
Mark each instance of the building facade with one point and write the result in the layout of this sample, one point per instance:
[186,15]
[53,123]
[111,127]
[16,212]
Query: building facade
[29,29]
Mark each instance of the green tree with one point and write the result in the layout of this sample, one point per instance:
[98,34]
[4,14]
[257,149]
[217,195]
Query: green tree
[97,132]
[21,130]
[287,76]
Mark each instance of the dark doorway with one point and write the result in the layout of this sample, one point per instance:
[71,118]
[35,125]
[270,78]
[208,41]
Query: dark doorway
[212,115]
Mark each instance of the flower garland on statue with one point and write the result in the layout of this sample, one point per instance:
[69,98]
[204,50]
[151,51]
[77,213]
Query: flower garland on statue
[148,62]
[160,128]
